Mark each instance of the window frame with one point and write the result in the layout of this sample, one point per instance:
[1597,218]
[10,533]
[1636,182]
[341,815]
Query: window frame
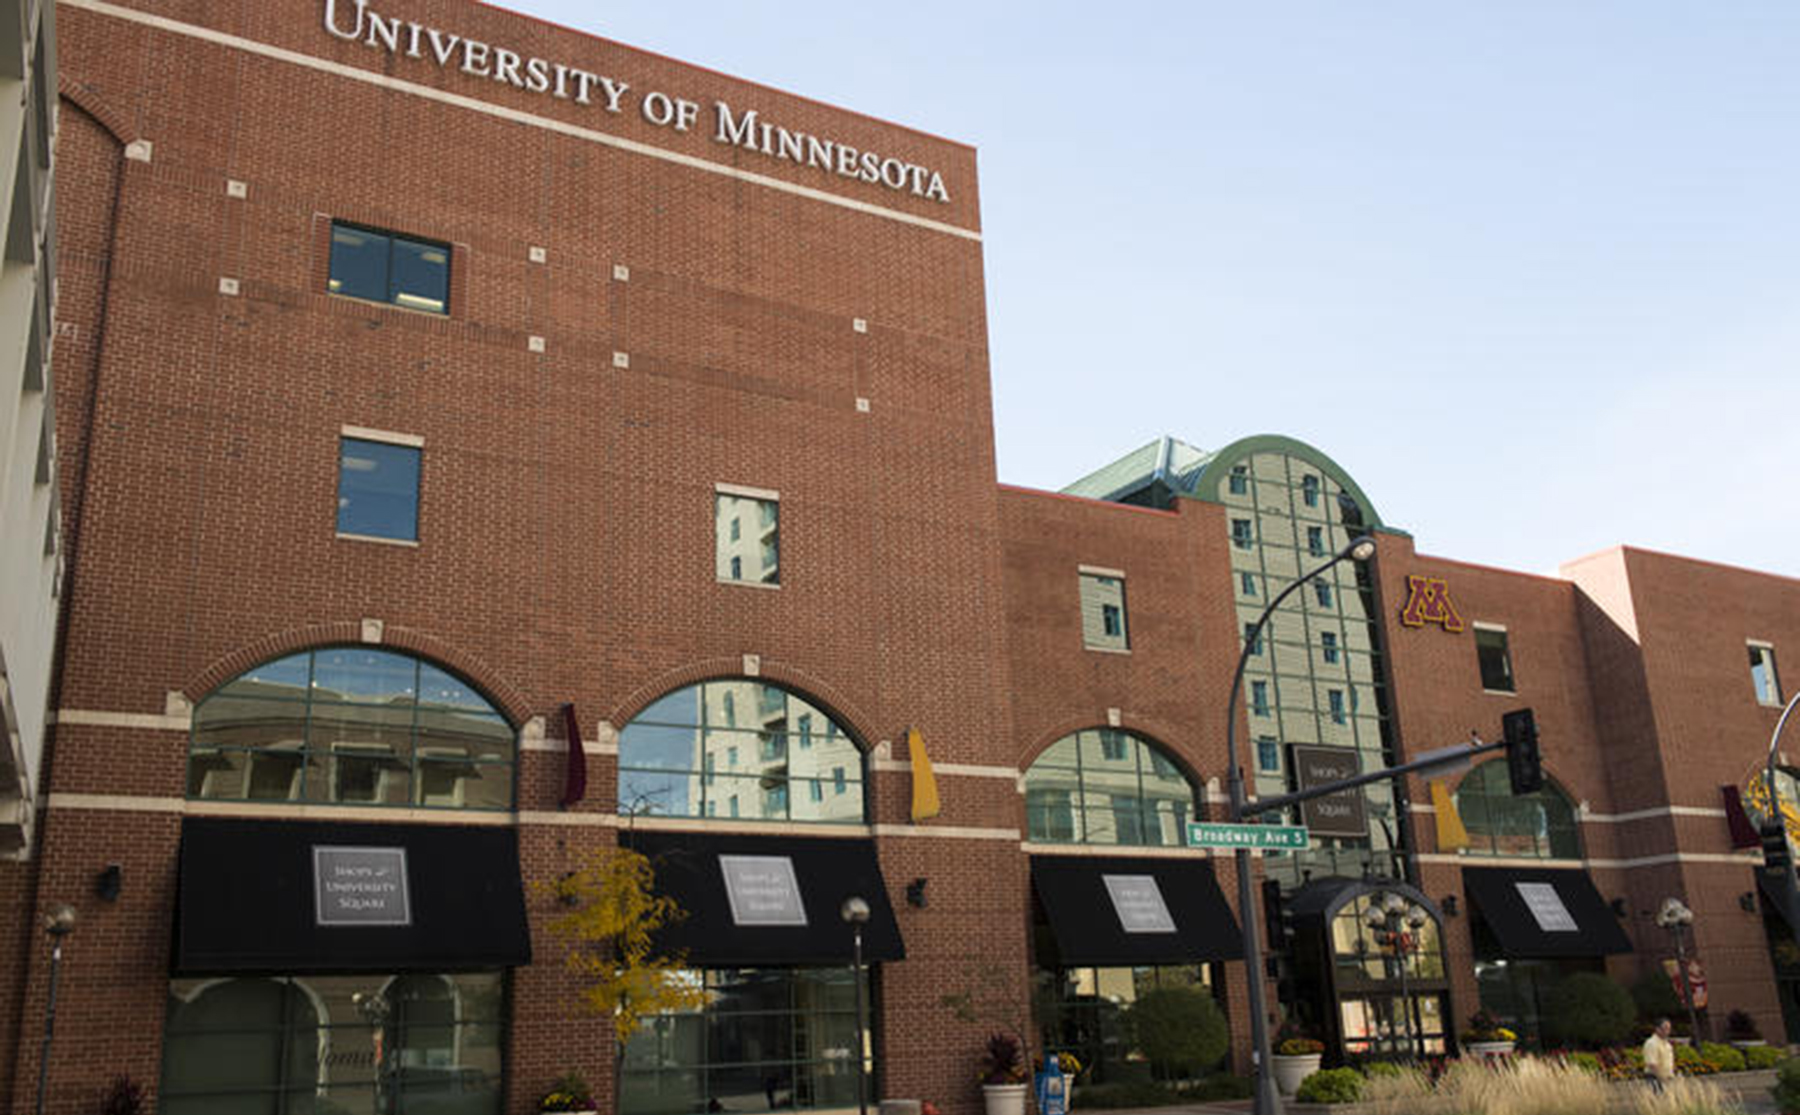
[393,440]
[728,567]
[1479,629]
[1064,795]
[1767,650]
[1095,585]
[391,238]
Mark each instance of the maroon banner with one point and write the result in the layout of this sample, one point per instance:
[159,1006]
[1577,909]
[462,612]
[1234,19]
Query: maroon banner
[575,770]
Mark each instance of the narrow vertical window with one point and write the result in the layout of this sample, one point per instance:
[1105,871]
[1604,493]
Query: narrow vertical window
[1253,638]
[1240,480]
[378,486]
[1102,601]
[1259,698]
[1335,698]
[1763,677]
[1494,659]
[1315,541]
[747,556]
[1309,489]
[1268,754]
[1322,593]
[1328,645]
[1247,584]
[1241,535]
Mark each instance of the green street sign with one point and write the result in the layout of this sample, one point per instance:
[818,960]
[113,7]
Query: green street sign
[1206,834]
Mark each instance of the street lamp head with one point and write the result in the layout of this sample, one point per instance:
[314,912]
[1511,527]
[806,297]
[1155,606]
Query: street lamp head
[60,921]
[1393,903]
[1362,549]
[855,910]
[1416,917]
[1373,917]
[1674,913]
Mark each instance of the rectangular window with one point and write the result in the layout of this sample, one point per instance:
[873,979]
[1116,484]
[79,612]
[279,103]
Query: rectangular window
[1335,698]
[1259,698]
[387,267]
[1763,677]
[378,485]
[1322,593]
[816,791]
[731,756]
[1112,747]
[1315,541]
[1241,535]
[1102,597]
[805,724]
[1240,480]
[1328,643]
[1253,637]
[1247,584]
[1268,753]
[1495,661]
[747,530]
[837,780]
[1309,489]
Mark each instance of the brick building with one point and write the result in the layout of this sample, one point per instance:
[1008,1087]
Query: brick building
[428,371]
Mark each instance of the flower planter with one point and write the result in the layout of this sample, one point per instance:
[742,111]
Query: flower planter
[1748,1043]
[1291,1069]
[1004,1099]
[1489,1049]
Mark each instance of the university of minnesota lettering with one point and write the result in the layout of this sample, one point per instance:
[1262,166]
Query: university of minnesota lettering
[571,83]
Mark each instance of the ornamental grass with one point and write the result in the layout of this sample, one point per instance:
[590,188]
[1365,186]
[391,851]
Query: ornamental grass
[1534,1086]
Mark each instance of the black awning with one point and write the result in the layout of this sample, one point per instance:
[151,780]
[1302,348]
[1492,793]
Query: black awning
[801,926]
[1541,913]
[323,896]
[1089,899]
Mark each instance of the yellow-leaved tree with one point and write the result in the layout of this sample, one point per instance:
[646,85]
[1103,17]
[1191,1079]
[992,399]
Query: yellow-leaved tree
[608,934]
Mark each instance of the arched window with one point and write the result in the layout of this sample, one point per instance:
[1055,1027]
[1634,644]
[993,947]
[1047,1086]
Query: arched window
[1540,825]
[739,748]
[352,726]
[1105,786]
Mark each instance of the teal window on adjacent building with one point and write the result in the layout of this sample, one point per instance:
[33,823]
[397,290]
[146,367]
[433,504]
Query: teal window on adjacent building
[352,726]
[1107,786]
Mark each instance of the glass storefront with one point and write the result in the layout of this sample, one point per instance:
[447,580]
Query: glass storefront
[770,1039]
[335,1045]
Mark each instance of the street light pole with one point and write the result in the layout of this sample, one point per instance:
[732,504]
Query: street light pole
[1677,919]
[58,923]
[855,910]
[1391,917]
[1267,1097]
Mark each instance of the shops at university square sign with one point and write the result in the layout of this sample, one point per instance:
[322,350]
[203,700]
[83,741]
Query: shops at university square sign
[357,22]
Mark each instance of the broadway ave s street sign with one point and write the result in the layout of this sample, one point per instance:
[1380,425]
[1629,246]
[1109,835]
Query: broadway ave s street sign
[1206,834]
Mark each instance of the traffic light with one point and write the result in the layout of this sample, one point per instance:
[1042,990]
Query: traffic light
[1524,763]
[1777,872]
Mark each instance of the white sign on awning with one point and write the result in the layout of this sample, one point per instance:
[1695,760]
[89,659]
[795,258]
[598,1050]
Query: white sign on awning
[1547,907]
[762,890]
[1139,903]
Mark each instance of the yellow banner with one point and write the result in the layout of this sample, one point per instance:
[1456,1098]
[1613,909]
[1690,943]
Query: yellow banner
[924,783]
[1451,834]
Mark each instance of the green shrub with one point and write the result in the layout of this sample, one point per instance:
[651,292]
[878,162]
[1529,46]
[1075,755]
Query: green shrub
[1219,1086]
[1586,1062]
[1787,1086]
[1763,1057]
[1654,996]
[1373,1069]
[1180,1029]
[1588,1010]
[1726,1057]
[1137,1093]
[1331,1086]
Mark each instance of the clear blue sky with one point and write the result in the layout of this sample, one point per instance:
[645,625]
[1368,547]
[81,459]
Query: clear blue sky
[1528,269]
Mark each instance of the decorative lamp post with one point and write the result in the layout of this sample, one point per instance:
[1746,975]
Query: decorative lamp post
[58,923]
[1679,921]
[1267,1098]
[855,910]
[1396,924]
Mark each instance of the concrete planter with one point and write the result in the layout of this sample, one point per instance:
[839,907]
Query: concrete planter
[1291,1069]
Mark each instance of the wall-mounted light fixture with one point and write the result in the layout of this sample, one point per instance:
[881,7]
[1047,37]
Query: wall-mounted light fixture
[1747,902]
[1448,905]
[1619,908]
[915,893]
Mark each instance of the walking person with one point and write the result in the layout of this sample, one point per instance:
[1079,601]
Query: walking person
[1659,1056]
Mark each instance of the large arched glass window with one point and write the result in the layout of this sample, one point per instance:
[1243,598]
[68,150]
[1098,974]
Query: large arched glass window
[1540,825]
[1105,786]
[739,748]
[352,726]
